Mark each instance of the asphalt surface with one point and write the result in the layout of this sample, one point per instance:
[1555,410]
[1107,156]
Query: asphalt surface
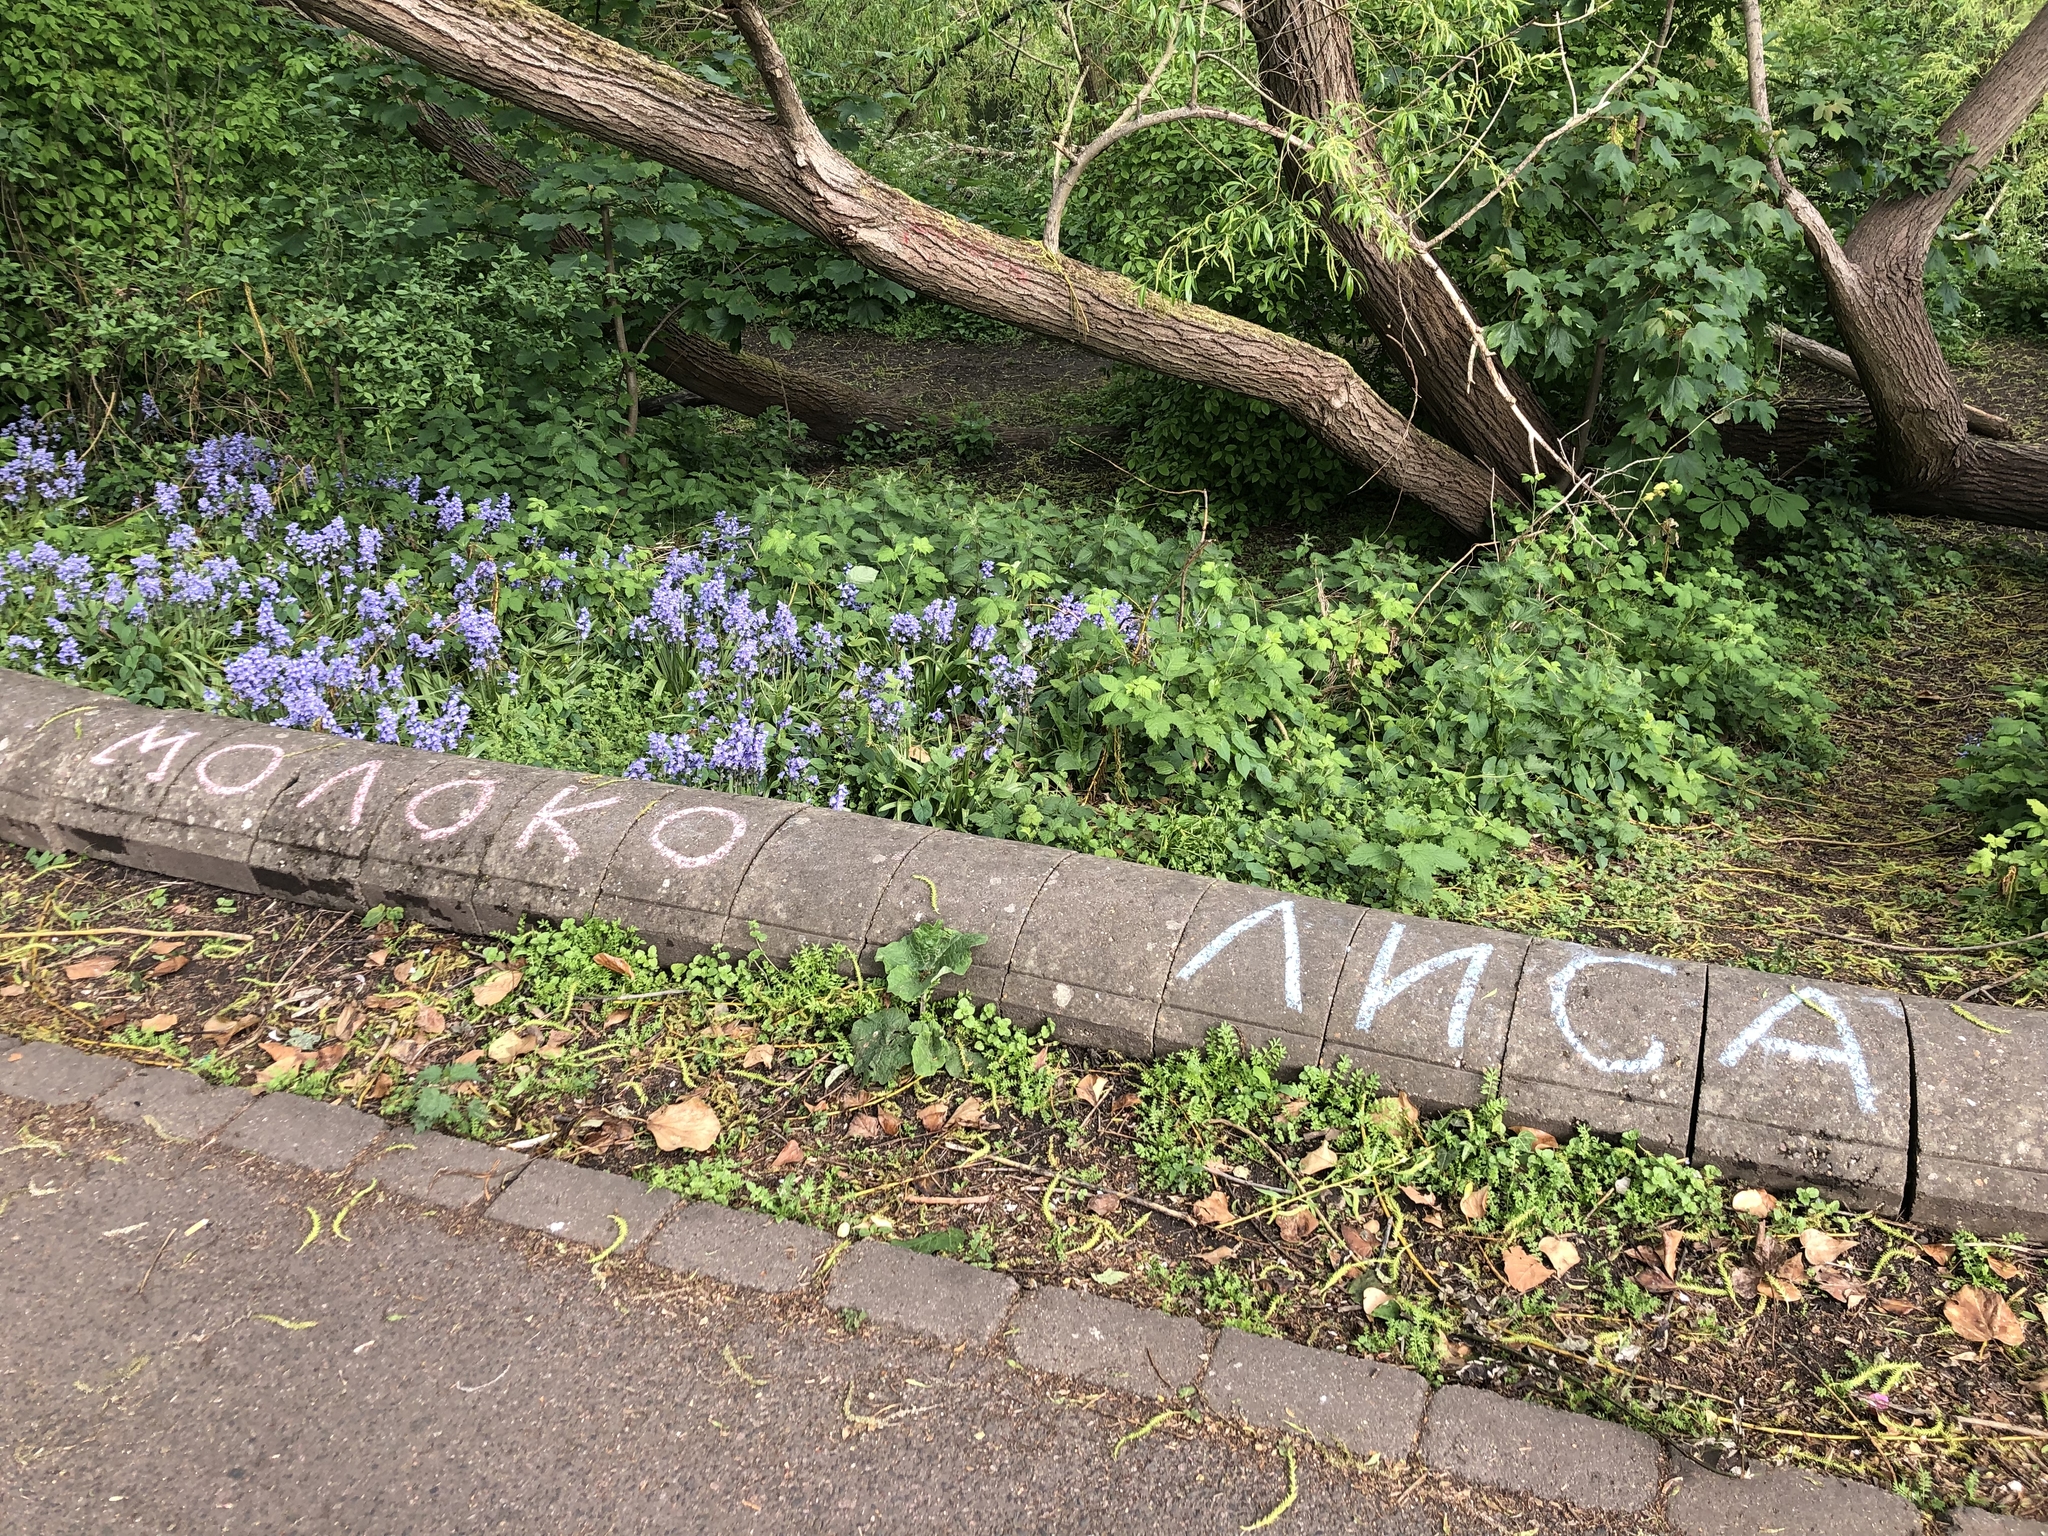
[460,1378]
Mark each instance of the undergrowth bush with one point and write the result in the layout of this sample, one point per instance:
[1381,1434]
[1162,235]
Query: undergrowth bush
[2004,789]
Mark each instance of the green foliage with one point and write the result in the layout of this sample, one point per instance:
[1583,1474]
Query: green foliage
[558,962]
[436,1107]
[931,951]
[2004,790]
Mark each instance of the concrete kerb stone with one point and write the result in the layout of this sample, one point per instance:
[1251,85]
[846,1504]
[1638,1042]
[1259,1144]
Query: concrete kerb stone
[1544,1452]
[104,778]
[582,1205]
[1365,1406]
[204,825]
[1776,1500]
[445,1171]
[1097,948]
[1983,1117]
[311,843]
[748,1249]
[934,1297]
[1426,1005]
[176,1105]
[1267,965]
[301,1132]
[1806,1083]
[427,855]
[675,874]
[1985,1522]
[1606,1039]
[1109,1343]
[56,1074]
[819,880]
[982,886]
[34,715]
[551,854]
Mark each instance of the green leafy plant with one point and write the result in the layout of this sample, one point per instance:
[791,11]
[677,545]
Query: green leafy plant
[437,1107]
[891,1039]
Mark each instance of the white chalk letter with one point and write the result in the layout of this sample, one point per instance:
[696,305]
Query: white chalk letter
[1560,988]
[1380,991]
[144,743]
[1290,937]
[685,861]
[368,770]
[203,769]
[550,816]
[1847,1055]
[486,789]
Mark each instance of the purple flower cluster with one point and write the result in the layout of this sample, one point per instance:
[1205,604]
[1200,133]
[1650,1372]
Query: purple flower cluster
[38,470]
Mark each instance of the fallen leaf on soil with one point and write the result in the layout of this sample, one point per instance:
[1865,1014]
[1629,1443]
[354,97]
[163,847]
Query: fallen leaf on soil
[386,1004]
[596,1135]
[356,1083]
[1743,1282]
[1214,1256]
[1543,1139]
[1362,1245]
[429,1020]
[91,970]
[790,1155]
[1372,1299]
[328,1057]
[234,1026]
[157,1023]
[1104,1204]
[1292,1108]
[1896,1306]
[490,993]
[1091,1088]
[1524,1270]
[1563,1256]
[1939,1253]
[406,1052]
[1647,1254]
[1767,1247]
[892,1123]
[1419,1196]
[1408,1110]
[863,1127]
[1843,1286]
[613,964]
[759,1056]
[513,1044]
[1784,1282]
[615,1017]
[376,958]
[1125,1101]
[558,1041]
[1431,1219]
[350,1021]
[1110,1277]
[1296,1224]
[1980,1316]
[692,1124]
[1671,1242]
[275,1072]
[1473,1202]
[1656,1282]
[469,1056]
[170,967]
[166,946]
[1212,1209]
[933,1115]
[2000,1268]
[1754,1202]
[970,1112]
[1824,1247]
[276,1050]
[402,972]
[1321,1160]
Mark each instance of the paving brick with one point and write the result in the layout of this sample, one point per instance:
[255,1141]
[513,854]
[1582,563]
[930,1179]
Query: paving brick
[676,872]
[819,880]
[743,1248]
[1545,1452]
[985,885]
[1806,1083]
[1426,1006]
[577,1205]
[176,1105]
[56,1074]
[1983,1522]
[551,853]
[428,853]
[1776,1501]
[1097,948]
[1109,1343]
[310,844]
[939,1298]
[305,1133]
[1983,1111]
[1367,1407]
[1606,1039]
[442,1170]
[1263,963]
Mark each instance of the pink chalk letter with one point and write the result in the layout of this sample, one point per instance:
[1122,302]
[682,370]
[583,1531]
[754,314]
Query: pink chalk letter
[145,742]
[485,789]
[368,770]
[203,769]
[686,861]
[550,816]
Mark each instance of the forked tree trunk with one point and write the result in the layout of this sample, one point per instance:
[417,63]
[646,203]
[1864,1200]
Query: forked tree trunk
[524,54]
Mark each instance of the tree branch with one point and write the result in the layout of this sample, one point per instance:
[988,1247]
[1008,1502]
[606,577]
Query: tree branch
[1827,250]
[1836,361]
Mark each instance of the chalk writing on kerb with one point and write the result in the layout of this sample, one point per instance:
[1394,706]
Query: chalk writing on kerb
[1381,988]
[203,770]
[1560,1014]
[550,816]
[1846,1054]
[155,739]
[1290,938]
[483,790]
[366,773]
[737,829]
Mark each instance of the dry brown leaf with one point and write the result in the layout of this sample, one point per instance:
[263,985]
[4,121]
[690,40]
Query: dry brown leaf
[1656,1282]
[1824,1247]
[1980,1316]
[166,946]
[234,1026]
[1212,1209]
[1543,1139]
[1216,1167]
[157,1023]
[91,970]
[430,1020]
[970,1112]
[1671,1242]
[1321,1160]
[892,1123]
[1419,1196]
[1776,1288]
[1742,1280]
[170,966]
[1897,1306]
[863,1127]
[348,1023]
[1563,1256]
[1363,1245]
[328,1057]
[2000,1268]
[1793,1269]
[1843,1286]
[277,1050]
[759,1056]
[1372,1299]
[933,1115]
[494,990]
[1296,1224]
[1091,1088]
[790,1155]
[402,972]
[406,1052]
[1473,1202]
[1408,1110]
[691,1125]
[1754,1202]
[513,1044]
[470,1056]
[1104,1204]
[13,989]
[1524,1270]
[376,958]
[369,1088]
[390,1003]
[1939,1253]
[1291,1108]
[613,964]
[1214,1256]
[276,1072]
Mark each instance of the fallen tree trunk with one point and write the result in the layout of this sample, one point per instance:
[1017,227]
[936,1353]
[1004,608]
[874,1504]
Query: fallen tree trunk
[524,54]
[1841,364]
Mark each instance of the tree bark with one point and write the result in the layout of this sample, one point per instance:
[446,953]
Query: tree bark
[739,381]
[526,55]
[1307,68]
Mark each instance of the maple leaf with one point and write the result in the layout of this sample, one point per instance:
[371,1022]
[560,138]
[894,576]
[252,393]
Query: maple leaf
[1524,1270]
